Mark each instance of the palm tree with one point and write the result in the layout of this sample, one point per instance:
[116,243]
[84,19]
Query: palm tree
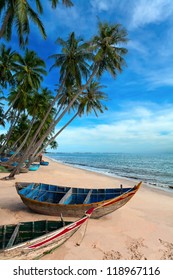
[12,119]
[108,51]
[64,99]
[107,55]
[7,66]
[29,70]
[19,13]
[2,120]
[19,131]
[73,60]
[90,101]
[29,73]
[42,101]
[74,66]
[67,3]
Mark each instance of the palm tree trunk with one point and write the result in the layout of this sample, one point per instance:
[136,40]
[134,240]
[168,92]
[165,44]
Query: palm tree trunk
[77,95]
[9,134]
[45,118]
[24,141]
[6,19]
[52,139]
[15,143]
[54,123]
[17,96]
[29,149]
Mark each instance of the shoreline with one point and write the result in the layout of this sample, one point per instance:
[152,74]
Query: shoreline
[148,185]
[141,229]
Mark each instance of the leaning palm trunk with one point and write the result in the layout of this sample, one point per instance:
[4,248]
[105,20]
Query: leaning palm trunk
[43,121]
[23,143]
[15,143]
[13,123]
[30,148]
[108,57]
[11,106]
[54,123]
[38,150]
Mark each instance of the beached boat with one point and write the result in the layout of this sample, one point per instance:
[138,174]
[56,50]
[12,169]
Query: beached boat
[4,159]
[34,166]
[55,200]
[45,163]
[31,240]
[23,170]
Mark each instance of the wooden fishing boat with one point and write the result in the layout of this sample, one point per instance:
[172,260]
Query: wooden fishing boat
[55,200]
[45,163]
[23,170]
[31,240]
[4,159]
[34,167]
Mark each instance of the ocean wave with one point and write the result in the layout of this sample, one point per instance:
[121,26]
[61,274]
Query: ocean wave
[148,169]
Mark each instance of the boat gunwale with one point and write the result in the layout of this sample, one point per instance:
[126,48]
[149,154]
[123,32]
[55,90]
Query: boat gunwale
[131,191]
[73,226]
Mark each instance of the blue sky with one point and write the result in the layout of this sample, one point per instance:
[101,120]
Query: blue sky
[140,105]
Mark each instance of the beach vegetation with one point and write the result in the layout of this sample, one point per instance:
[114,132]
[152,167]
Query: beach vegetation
[35,115]
[19,14]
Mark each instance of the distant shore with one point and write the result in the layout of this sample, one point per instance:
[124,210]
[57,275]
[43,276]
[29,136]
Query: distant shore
[142,229]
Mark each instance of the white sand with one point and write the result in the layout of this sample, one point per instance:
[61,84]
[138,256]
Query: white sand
[142,229]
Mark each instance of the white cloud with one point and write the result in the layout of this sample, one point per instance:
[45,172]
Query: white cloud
[62,21]
[160,77]
[147,11]
[140,129]
[138,46]
[101,5]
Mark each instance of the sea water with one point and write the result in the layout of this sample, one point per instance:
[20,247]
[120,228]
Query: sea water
[153,169]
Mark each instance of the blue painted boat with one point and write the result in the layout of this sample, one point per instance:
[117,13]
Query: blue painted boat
[11,153]
[34,167]
[46,163]
[4,159]
[56,200]
[14,164]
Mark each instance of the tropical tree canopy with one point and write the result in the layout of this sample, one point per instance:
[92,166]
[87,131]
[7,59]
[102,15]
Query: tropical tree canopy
[19,13]
[73,61]
[108,51]
[29,70]
[7,66]
[80,65]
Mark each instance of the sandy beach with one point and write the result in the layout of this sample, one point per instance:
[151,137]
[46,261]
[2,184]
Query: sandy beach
[142,229]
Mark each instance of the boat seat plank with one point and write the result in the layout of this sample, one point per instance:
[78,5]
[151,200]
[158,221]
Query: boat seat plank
[88,197]
[66,196]
[13,236]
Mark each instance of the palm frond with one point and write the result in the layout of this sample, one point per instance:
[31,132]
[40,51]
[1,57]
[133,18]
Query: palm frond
[35,18]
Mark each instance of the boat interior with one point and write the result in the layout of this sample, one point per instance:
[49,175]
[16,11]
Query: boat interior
[66,195]
[11,235]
